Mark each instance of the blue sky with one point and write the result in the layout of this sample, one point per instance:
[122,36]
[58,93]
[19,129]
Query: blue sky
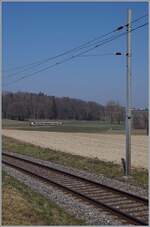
[35,31]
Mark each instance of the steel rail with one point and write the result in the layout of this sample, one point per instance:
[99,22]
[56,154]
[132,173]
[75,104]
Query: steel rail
[114,210]
[144,200]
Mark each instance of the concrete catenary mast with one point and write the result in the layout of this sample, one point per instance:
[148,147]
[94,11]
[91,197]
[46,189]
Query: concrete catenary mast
[128,103]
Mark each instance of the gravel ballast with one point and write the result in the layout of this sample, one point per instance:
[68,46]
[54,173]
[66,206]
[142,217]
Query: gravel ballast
[92,216]
[124,186]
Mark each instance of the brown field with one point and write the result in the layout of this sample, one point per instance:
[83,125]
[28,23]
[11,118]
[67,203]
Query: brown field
[105,147]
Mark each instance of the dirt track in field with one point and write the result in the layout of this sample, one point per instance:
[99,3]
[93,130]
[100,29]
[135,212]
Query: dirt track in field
[103,146]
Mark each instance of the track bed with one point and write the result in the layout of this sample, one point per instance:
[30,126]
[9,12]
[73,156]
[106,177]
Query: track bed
[130,208]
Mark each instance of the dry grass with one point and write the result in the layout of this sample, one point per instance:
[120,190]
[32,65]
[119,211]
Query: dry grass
[139,176]
[17,210]
[22,206]
[105,147]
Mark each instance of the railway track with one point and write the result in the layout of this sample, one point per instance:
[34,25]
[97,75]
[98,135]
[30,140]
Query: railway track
[131,208]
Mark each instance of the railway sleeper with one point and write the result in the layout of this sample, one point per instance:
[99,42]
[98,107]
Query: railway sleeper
[136,209]
[114,197]
[108,201]
[127,205]
[121,202]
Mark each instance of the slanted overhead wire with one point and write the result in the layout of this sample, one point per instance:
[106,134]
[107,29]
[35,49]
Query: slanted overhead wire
[77,55]
[26,67]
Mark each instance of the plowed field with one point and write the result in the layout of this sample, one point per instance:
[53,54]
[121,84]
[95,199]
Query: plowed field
[105,147]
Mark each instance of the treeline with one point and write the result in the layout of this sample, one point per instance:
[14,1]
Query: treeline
[24,106]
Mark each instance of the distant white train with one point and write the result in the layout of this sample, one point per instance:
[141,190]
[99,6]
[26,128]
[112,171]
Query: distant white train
[45,123]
